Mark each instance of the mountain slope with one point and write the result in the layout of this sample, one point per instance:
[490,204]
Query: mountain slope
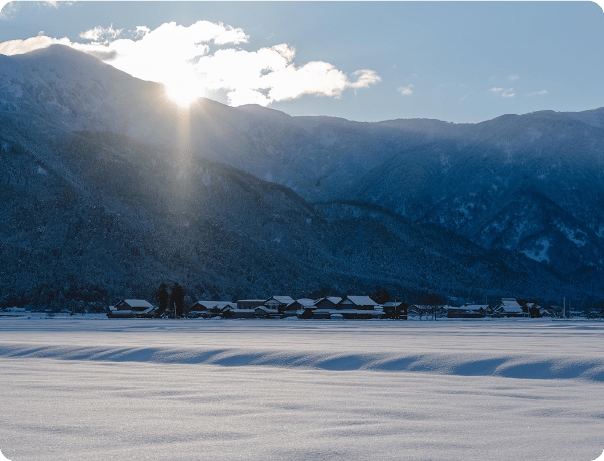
[114,217]
[541,192]
[531,184]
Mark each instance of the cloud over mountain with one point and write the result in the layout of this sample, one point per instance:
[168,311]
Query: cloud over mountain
[177,55]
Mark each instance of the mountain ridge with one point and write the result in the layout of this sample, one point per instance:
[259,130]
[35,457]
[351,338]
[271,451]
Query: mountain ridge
[532,184]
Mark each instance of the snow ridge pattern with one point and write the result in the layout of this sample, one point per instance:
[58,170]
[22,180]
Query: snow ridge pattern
[510,366]
[525,349]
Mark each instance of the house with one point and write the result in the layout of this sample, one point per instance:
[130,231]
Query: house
[329,302]
[427,311]
[200,309]
[263,312]
[234,313]
[323,307]
[357,302]
[358,307]
[278,302]
[249,303]
[533,310]
[205,309]
[395,310]
[467,311]
[415,311]
[302,308]
[553,311]
[508,307]
[129,308]
[12,312]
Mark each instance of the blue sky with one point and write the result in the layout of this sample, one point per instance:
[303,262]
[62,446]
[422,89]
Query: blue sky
[365,61]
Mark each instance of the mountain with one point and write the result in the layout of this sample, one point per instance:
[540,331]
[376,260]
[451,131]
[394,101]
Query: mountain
[532,183]
[113,217]
[109,183]
[65,90]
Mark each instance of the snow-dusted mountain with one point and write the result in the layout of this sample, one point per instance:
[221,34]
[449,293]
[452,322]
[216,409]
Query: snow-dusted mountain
[111,217]
[63,89]
[531,184]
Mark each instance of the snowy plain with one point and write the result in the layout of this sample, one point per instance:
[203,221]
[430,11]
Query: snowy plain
[74,388]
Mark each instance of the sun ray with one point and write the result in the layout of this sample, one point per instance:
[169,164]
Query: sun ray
[181,94]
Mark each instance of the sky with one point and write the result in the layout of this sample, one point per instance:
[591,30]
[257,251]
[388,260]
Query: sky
[365,61]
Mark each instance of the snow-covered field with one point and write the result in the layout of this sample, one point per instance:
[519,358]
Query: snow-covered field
[80,388]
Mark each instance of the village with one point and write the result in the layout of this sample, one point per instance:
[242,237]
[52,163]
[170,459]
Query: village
[344,308]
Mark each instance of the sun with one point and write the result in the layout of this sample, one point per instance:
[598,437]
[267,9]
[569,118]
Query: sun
[181,93]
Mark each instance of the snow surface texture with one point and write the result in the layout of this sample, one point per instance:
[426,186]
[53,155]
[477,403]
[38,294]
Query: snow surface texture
[77,389]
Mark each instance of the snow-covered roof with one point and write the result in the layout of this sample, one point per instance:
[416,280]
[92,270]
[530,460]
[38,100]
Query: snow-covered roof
[475,307]
[306,302]
[204,304]
[510,305]
[392,304]
[138,303]
[213,304]
[281,299]
[223,304]
[360,300]
[332,299]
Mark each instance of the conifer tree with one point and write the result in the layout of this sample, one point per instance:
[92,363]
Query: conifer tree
[177,299]
[161,295]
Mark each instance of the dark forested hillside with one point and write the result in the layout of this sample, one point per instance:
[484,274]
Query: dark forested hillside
[533,184]
[109,188]
[116,218]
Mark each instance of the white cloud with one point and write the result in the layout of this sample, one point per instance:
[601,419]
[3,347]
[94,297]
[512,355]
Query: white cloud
[465,96]
[366,77]
[537,93]
[406,90]
[10,10]
[100,33]
[513,77]
[141,31]
[54,3]
[508,93]
[174,54]
[502,92]
[269,75]
[33,43]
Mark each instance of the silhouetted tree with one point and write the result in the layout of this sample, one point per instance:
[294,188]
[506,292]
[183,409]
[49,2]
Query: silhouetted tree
[381,296]
[177,299]
[161,295]
[432,302]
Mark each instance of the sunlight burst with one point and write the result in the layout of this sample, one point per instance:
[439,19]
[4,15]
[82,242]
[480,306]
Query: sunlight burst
[181,94]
